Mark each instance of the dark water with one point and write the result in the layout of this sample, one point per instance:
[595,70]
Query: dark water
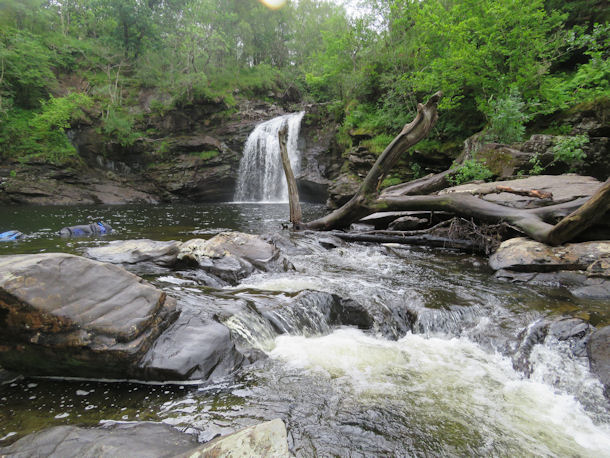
[160,222]
[447,388]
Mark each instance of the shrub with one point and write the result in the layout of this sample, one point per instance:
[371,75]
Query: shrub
[471,170]
[378,143]
[119,125]
[569,149]
[506,119]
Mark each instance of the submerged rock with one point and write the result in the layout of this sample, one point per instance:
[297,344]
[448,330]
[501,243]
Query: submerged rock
[66,315]
[232,256]
[312,312]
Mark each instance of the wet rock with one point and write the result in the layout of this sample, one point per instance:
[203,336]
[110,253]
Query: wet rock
[312,189]
[136,251]
[304,242]
[194,347]
[534,334]
[564,188]
[67,315]
[574,330]
[598,350]
[593,288]
[569,328]
[266,439]
[135,440]
[312,312]
[575,281]
[232,256]
[525,255]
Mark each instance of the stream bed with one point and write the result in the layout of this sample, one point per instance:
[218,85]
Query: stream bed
[434,376]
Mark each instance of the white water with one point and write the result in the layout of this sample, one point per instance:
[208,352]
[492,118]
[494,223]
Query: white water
[447,386]
[261,175]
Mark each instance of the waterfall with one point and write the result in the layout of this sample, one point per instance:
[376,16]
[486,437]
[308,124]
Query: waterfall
[261,176]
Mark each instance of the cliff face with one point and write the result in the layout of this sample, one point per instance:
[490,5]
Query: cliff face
[186,154]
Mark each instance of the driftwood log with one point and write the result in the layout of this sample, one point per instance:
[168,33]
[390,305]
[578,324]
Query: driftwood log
[540,224]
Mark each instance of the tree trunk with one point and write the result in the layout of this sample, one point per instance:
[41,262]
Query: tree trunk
[537,223]
[411,133]
[293,192]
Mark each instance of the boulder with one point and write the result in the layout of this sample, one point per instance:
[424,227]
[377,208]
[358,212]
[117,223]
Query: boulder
[525,255]
[194,347]
[564,188]
[66,315]
[580,267]
[232,256]
[136,251]
[502,160]
[266,439]
[598,350]
[136,440]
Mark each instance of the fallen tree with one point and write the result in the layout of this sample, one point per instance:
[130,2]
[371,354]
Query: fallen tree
[540,224]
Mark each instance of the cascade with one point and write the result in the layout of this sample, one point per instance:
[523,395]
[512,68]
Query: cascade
[261,176]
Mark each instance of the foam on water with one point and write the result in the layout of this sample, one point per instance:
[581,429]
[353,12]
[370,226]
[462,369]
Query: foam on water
[451,382]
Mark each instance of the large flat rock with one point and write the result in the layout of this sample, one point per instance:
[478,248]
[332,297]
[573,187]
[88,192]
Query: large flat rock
[70,316]
[564,188]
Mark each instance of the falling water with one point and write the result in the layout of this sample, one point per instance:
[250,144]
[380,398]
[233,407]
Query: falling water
[261,176]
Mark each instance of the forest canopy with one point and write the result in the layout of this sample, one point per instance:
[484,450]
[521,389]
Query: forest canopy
[500,63]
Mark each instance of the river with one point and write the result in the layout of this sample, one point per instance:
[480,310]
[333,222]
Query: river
[434,377]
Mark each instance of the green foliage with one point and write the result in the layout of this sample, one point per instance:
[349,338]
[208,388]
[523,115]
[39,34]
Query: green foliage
[569,149]
[499,63]
[471,170]
[416,170]
[28,134]
[119,126]
[507,119]
[536,165]
[378,143]
[26,69]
